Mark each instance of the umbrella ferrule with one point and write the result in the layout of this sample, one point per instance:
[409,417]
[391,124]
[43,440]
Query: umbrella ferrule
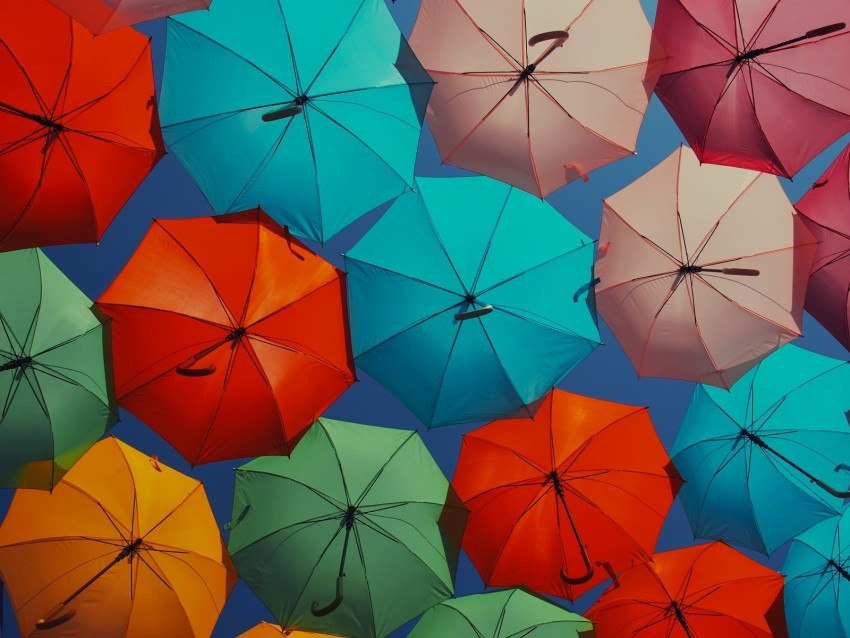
[690,268]
[840,569]
[527,71]
[236,335]
[755,438]
[130,550]
[301,100]
[20,362]
[680,617]
[348,519]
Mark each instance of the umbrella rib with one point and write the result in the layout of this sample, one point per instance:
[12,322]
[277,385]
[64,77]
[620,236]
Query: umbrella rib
[381,469]
[318,96]
[234,351]
[371,606]
[488,39]
[302,350]
[292,303]
[63,86]
[489,243]
[191,567]
[411,278]
[387,114]
[342,37]
[295,73]
[348,501]
[330,500]
[171,511]
[42,103]
[768,74]
[716,36]
[466,618]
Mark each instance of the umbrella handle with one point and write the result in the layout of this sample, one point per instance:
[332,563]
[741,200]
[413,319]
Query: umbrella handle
[607,567]
[185,369]
[585,287]
[316,610]
[280,114]
[55,617]
[578,580]
[548,35]
[470,314]
[744,272]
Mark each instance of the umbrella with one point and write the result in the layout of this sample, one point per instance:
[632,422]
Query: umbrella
[105,15]
[229,336]
[694,592]
[266,630]
[78,125]
[123,546]
[759,85]
[360,506]
[688,250]
[816,569]
[536,94]
[56,392]
[466,299]
[584,484]
[772,445]
[825,209]
[500,614]
[313,112]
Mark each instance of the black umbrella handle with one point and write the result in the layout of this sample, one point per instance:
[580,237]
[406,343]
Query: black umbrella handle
[316,610]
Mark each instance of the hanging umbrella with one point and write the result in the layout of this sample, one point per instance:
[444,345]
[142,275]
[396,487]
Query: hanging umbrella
[689,250]
[229,336]
[759,85]
[266,630]
[105,15]
[311,111]
[825,209]
[501,614]
[78,125]
[466,299]
[817,568]
[56,392]
[536,94]
[359,507]
[695,592]
[772,445]
[123,546]
[584,484]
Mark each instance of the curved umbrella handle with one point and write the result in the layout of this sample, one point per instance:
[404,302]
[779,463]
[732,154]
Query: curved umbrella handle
[607,567]
[185,369]
[324,611]
[578,580]
[55,617]
[280,114]
[471,314]
[548,35]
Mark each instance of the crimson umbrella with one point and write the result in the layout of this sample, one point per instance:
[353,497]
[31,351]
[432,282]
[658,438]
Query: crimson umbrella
[105,15]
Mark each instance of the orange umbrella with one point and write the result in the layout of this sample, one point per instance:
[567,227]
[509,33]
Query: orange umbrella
[229,335]
[123,546]
[584,484]
[267,630]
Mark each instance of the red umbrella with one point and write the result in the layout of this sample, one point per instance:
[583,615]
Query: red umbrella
[105,15]
[78,125]
[704,591]
[759,85]
[229,335]
[584,484]
[825,210]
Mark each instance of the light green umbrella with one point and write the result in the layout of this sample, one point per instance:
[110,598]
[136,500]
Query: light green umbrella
[357,511]
[54,387]
[509,613]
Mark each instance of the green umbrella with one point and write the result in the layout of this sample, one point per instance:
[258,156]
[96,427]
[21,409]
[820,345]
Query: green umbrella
[509,613]
[55,392]
[357,511]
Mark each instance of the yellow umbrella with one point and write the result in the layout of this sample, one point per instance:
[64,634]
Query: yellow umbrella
[123,546]
[267,630]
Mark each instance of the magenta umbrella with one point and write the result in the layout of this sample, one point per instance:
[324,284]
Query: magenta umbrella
[758,85]
[105,15]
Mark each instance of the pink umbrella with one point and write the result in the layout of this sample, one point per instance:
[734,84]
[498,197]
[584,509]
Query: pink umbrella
[105,15]
[536,94]
[702,270]
[759,85]
[825,209]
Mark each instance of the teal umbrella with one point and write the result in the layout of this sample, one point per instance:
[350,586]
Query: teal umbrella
[56,392]
[312,111]
[765,460]
[470,299]
[351,534]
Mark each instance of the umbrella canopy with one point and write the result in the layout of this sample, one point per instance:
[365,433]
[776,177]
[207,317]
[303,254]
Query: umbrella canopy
[773,444]
[585,484]
[817,568]
[229,336]
[465,299]
[360,506]
[536,94]
[759,85]
[688,250]
[311,111]
[105,15]
[825,209]
[78,125]
[694,592]
[56,393]
[266,630]
[123,546]
[500,614]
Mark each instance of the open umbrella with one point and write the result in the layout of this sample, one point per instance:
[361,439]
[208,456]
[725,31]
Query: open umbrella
[688,250]
[536,94]
[267,630]
[501,614]
[703,591]
[123,546]
[466,299]
[759,85]
[312,111]
[817,568]
[825,209]
[105,15]
[358,508]
[78,125]
[765,460]
[229,335]
[583,485]
[55,387]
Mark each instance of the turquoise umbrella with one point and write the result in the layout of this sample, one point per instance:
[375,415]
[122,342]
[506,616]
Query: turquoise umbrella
[817,580]
[312,111]
[765,460]
[470,299]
